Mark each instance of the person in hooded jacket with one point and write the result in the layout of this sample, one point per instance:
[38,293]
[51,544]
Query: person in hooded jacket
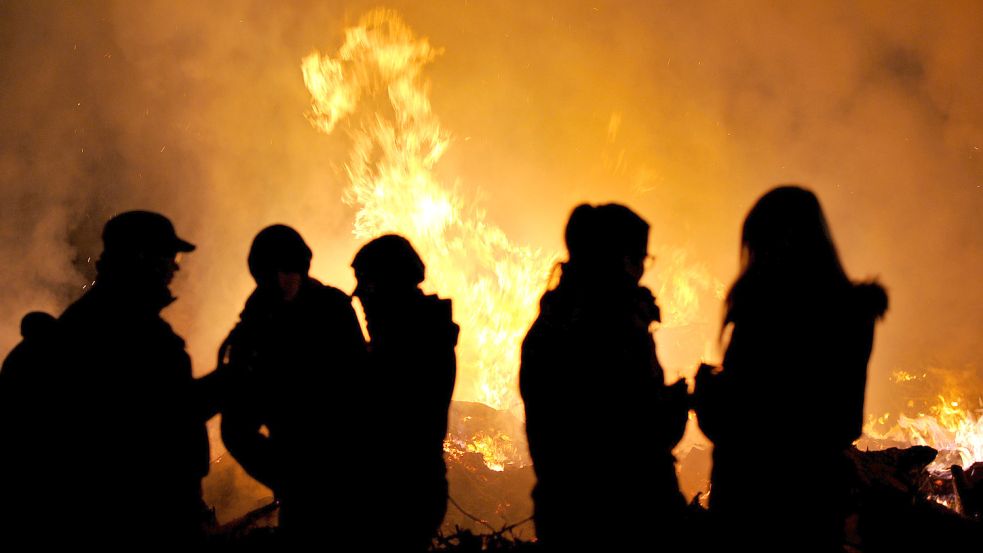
[788,400]
[292,414]
[412,337]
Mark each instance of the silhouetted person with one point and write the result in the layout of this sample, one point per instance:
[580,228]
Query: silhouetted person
[600,420]
[294,409]
[789,398]
[118,456]
[411,348]
[25,418]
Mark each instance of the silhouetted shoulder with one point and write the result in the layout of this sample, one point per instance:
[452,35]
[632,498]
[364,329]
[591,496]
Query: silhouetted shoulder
[166,332]
[555,313]
[440,313]
[870,299]
[79,309]
[329,295]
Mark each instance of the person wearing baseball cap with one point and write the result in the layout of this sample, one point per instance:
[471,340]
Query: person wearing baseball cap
[141,253]
[127,417]
[143,232]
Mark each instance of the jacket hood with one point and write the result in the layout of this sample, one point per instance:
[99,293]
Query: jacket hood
[871,299]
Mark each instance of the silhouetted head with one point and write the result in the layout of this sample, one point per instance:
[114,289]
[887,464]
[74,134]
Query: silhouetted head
[142,232]
[607,245]
[279,259]
[386,267]
[786,245]
[37,323]
[140,252]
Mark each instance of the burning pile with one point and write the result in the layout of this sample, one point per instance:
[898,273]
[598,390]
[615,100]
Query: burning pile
[488,470]
[893,490]
[948,421]
[923,467]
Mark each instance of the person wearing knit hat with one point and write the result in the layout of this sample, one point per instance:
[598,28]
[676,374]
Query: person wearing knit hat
[294,363]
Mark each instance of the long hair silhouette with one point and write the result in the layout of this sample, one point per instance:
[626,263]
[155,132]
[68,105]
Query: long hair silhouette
[787,253]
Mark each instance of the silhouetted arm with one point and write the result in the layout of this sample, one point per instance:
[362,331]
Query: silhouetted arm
[443,372]
[709,403]
[669,405]
[673,412]
[848,390]
[211,393]
[719,400]
[207,392]
[242,437]
[544,418]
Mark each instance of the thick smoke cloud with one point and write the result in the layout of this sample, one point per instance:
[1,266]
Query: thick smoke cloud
[687,112]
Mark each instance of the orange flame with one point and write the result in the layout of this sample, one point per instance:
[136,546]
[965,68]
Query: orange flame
[495,283]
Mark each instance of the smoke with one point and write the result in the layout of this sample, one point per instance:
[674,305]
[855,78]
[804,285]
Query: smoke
[686,112]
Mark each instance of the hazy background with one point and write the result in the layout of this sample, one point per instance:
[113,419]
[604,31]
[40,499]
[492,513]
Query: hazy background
[686,111]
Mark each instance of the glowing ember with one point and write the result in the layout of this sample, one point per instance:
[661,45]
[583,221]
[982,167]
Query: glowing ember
[497,450]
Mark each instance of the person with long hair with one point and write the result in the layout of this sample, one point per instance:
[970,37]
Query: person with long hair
[788,400]
[601,423]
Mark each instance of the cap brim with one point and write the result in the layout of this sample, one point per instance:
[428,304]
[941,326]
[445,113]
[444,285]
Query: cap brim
[183,246]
